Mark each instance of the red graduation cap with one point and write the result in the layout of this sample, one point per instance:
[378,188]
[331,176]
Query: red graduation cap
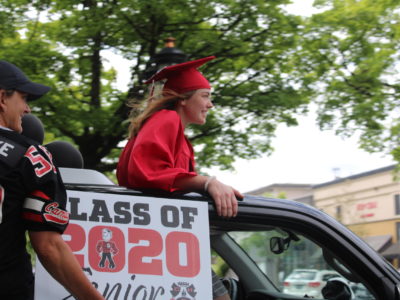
[183,77]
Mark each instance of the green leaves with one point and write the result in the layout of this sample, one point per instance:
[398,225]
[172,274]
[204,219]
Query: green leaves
[351,51]
[253,76]
[269,66]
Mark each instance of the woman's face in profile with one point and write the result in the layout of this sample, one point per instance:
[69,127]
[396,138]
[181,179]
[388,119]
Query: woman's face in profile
[196,107]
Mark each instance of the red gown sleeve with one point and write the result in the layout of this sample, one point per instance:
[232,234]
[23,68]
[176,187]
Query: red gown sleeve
[158,155]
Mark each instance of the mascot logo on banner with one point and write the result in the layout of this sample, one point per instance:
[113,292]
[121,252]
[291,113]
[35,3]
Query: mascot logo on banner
[183,291]
[106,249]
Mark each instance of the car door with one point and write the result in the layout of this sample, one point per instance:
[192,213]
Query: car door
[269,240]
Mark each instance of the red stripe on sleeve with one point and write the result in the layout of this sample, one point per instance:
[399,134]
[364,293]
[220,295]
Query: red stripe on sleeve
[40,194]
[32,217]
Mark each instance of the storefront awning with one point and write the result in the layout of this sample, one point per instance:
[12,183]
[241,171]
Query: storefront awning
[393,251]
[378,242]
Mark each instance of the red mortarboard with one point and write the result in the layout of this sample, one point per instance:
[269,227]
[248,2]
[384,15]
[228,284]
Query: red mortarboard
[183,77]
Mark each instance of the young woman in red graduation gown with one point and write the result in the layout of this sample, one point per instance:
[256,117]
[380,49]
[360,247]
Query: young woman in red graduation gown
[158,155]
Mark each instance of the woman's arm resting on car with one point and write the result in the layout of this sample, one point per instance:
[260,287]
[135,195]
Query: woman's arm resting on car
[224,196]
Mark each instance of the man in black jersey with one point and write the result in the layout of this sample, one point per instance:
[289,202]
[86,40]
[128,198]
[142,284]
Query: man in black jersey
[32,198]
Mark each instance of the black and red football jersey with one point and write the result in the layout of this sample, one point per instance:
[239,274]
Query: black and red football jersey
[32,197]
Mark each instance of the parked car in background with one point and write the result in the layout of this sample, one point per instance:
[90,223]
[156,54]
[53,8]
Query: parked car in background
[307,282]
[276,249]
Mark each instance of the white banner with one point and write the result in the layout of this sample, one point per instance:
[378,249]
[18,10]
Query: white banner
[135,247]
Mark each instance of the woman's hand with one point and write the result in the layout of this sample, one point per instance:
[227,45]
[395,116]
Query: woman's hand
[225,198]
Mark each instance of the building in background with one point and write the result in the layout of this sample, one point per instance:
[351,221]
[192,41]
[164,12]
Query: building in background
[367,203]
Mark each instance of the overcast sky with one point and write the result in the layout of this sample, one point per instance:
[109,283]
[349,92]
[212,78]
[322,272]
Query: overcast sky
[303,154]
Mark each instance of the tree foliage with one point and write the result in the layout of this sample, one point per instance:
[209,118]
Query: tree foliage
[351,54]
[269,65]
[64,44]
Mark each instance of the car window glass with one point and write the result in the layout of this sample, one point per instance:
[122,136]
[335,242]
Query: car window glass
[294,263]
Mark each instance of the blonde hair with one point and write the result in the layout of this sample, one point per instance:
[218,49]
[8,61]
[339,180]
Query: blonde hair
[168,100]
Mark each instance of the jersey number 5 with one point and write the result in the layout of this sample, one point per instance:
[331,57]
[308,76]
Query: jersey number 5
[42,166]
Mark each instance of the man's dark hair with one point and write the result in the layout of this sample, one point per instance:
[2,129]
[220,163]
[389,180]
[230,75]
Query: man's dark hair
[9,92]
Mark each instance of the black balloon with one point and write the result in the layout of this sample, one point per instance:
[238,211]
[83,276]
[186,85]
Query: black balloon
[33,128]
[65,155]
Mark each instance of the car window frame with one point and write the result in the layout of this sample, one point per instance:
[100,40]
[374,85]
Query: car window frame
[309,227]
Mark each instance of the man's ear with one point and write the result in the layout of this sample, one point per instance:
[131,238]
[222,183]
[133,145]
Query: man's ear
[3,98]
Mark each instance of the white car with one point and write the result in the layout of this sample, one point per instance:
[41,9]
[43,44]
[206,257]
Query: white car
[308,282]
